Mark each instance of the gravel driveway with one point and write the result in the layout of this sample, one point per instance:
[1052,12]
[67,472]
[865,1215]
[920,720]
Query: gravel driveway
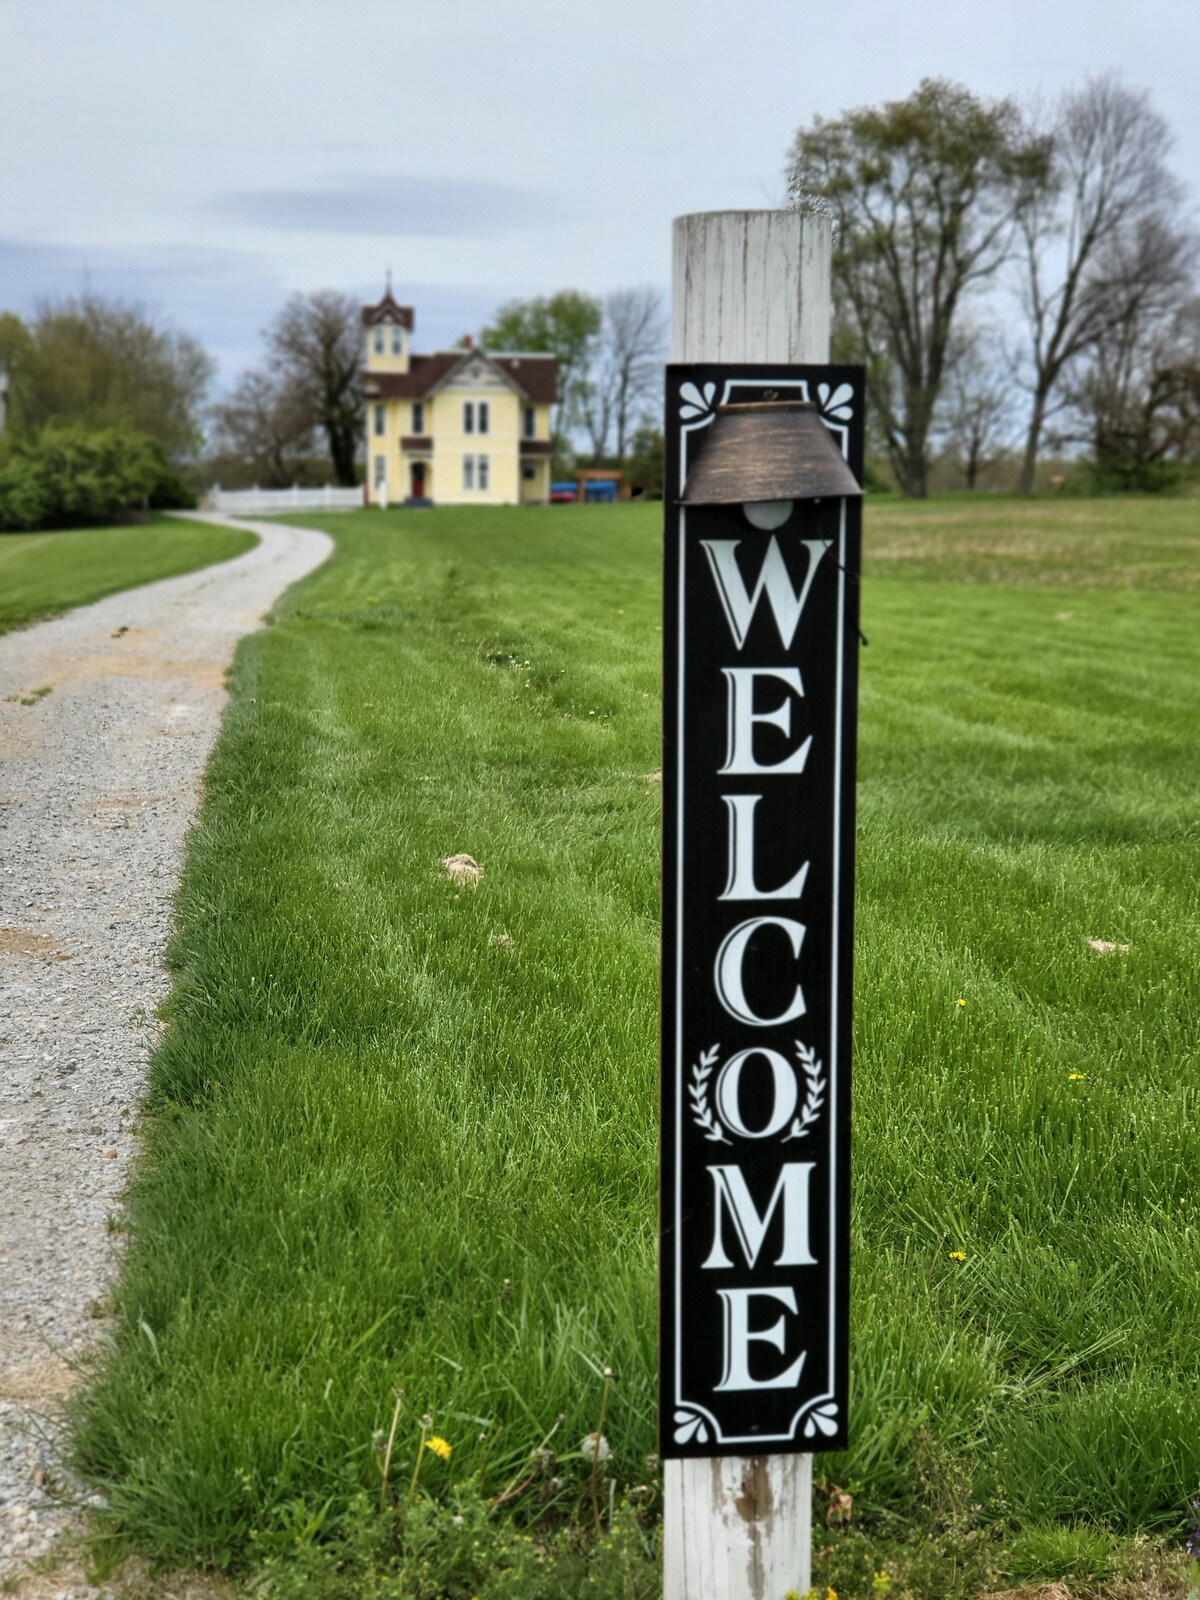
[107,716]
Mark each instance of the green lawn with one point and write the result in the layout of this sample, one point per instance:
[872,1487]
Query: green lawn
[42,574]
[403,1129]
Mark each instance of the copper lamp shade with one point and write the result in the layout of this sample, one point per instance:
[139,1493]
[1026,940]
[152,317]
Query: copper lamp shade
[776,450]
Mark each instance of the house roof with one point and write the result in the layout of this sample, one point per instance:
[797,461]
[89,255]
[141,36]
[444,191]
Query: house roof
[387,311]
[533,376]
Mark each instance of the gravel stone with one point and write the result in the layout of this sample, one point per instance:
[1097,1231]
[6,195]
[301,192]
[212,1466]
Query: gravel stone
[99,780]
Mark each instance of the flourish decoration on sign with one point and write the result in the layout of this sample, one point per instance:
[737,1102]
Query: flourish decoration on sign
[702,1114]
[690,1425]
[814,1099]
[696,403]
[822,1418]
[836,405]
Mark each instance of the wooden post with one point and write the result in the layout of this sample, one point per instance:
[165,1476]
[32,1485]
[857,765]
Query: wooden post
[747,286]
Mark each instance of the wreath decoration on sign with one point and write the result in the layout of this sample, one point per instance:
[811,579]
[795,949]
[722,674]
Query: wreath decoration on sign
[814,1098]
[702,1114]
[710,1124]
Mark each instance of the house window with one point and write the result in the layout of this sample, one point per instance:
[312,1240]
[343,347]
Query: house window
[379,422]
[380,471]
[418,416]
[378,341]
[482,471]
[468,416]
[528,471]
[397,342]
[483,416]
[468,472]
[530,423]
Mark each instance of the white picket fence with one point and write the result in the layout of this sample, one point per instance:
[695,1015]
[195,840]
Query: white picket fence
[246,502]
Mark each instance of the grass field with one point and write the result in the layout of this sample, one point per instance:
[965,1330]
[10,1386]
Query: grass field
[402,1129]
[42,574]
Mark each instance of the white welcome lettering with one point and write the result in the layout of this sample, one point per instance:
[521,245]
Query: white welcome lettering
[730,1192]
[740,605]
[739,1336]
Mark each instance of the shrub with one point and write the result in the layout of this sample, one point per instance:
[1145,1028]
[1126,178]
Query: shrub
[1132,477]
[70,476]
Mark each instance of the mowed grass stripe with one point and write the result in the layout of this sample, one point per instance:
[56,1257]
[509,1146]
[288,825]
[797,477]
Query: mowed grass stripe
[403,1131]
[43,574]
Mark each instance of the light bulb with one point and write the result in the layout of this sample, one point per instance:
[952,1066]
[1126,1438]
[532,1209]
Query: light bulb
[768,514]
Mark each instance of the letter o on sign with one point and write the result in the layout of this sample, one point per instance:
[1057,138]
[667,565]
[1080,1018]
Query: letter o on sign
[784,1093]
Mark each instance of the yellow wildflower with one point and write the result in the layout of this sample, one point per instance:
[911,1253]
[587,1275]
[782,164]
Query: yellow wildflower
[960,1002]
[439,1446]
[1074,1077]
[958,1255]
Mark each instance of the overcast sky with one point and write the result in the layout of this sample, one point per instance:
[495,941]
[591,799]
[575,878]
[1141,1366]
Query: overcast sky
[209,158]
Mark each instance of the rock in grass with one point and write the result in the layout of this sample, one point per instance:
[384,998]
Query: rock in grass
[463,868]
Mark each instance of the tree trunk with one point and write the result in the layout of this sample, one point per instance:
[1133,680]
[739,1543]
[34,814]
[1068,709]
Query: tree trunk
[1032,440]
[341,453]
[914,476]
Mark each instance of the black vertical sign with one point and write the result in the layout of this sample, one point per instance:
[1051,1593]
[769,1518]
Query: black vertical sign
[761,653]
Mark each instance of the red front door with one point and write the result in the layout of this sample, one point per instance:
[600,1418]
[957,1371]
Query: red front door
[418,480]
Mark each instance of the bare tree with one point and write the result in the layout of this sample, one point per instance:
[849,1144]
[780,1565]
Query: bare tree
[627,372]
[266,427]
[1136,396]
[975,412]
[316,346]
[924,193]
[1099,240]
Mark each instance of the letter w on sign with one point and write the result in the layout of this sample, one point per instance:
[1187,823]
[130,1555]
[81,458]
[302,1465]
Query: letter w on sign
[761,658]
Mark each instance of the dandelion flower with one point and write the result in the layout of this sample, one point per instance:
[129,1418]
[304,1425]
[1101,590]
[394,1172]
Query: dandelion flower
[960,1002]
[1074,1077]
[958,1255]
[440,1447]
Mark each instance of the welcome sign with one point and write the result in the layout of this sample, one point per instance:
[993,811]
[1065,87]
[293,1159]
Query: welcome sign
[761,648]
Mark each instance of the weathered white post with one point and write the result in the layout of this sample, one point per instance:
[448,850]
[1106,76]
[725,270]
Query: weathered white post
[748,286]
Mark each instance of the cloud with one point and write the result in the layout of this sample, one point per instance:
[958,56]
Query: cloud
[401,206]
[223,297]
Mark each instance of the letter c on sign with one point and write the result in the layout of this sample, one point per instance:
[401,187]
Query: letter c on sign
[730,960]
[784,1093]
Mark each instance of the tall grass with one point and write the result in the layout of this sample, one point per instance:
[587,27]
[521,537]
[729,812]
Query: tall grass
[402,1132]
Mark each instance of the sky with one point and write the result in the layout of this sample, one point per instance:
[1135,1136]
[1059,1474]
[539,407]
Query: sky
[208,159]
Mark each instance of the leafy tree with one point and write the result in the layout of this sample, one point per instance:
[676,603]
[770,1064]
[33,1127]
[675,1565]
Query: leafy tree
[646,463]
[1100,243]
[924,193]
[627,371]
[16,344]
[565,325]
[101,363]
[315,348]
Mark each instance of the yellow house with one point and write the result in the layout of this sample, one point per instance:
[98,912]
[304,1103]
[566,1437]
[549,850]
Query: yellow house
[462,427]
